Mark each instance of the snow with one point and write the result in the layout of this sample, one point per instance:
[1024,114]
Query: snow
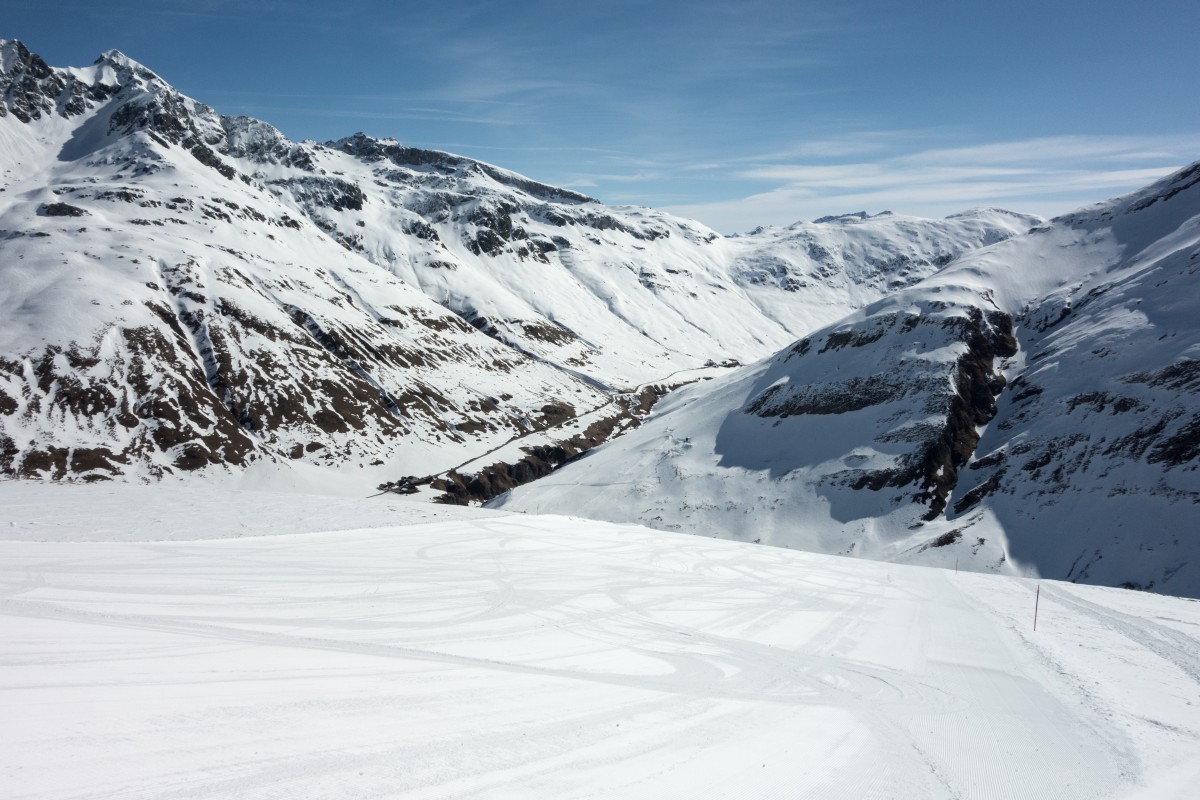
[486,655]
[262,503]
[1086,472]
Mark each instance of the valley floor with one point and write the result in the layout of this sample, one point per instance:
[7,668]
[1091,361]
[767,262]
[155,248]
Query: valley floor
[167,642]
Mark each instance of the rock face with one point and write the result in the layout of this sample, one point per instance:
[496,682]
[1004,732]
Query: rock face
[966,388]
[1032,407]
[189,291]
[33,91]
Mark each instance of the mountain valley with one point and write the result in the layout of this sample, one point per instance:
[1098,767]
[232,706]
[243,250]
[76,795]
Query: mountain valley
[193,297]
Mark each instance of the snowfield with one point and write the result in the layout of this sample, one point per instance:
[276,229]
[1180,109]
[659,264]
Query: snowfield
[494,655]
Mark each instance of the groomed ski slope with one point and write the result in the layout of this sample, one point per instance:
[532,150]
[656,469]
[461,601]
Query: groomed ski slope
[503,655]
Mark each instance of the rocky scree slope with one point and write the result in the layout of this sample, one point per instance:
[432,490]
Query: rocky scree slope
[185,290]
[1032,408]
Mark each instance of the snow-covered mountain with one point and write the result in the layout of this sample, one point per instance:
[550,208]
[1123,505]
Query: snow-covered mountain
[1033,406]
[182,290]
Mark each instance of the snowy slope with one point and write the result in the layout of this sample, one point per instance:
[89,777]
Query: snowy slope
[183,290]
[549,657]
[623,295]
[163,313]
[1032,408]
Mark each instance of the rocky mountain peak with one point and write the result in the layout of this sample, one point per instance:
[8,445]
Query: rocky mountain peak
[262,143]
[28,87]
[31,90]
[15,55]
[117,59]
[116,69]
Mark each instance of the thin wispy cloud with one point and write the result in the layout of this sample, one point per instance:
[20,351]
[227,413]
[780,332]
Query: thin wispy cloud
[601,151]
[426,114]
[598,179]
[1057,148]
[1048,175]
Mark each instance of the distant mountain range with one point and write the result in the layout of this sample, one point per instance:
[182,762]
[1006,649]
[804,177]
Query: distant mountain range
[187,291]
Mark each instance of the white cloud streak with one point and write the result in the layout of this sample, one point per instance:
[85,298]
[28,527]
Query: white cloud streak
[1048,175]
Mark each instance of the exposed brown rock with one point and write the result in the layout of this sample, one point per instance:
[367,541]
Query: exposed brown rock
[974,403]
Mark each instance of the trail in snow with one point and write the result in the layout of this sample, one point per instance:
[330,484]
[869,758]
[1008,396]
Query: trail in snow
[515,656]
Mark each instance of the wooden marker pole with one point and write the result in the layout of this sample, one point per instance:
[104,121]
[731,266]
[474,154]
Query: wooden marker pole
[1036,599]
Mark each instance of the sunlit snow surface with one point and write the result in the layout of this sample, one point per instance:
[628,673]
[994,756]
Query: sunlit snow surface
[493,655]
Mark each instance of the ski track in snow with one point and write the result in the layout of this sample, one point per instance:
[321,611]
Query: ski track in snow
[522,656]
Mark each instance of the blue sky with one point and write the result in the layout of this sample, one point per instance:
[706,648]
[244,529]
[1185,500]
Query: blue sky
[736,114]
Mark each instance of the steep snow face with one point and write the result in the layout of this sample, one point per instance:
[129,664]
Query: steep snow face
[1031,408]
[184,290]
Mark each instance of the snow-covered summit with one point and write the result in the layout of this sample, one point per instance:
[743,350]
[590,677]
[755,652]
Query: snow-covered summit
[116,58]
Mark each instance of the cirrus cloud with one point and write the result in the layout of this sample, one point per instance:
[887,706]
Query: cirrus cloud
[1048,176]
